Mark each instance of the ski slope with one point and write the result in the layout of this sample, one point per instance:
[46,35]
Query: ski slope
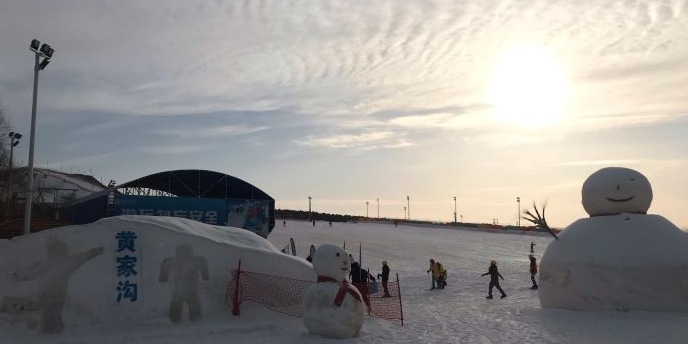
[457,314]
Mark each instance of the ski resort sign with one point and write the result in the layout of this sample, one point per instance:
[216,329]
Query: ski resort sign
[207,210]
[241,213]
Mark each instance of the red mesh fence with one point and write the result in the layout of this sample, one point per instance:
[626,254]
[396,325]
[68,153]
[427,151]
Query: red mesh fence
[284,295]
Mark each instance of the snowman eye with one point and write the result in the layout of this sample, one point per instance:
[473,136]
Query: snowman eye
[632,179]
[337,254]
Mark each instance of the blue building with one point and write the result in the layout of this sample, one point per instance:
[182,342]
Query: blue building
[206,196]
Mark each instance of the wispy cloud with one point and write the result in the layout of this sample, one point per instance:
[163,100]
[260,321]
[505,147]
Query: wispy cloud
[617,162]
[226,130]
[346,140]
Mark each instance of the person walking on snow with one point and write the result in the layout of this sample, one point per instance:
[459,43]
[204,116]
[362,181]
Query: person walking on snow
[494,279]
[385,278]
[532,244]
[435,272]
[359,278]
[533,270]
[442,278]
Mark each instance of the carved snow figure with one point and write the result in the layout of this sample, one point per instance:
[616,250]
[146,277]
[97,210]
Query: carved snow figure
[53,277]
[332,308]
[619,258]
[186,268]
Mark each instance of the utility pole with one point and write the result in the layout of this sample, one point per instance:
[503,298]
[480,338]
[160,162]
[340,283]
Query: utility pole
[408,205]
[454,209]
[46,52]
[378,208]
[518,200]
[310,216]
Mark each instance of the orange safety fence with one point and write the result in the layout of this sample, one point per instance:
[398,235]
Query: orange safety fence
[284,295]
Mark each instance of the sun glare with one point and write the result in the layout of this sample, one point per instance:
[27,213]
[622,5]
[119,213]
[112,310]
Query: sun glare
[528,87]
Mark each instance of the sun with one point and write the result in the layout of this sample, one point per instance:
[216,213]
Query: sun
[528,87]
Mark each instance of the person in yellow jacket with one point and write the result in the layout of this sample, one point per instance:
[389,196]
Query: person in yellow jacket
[442,276]
[435,272]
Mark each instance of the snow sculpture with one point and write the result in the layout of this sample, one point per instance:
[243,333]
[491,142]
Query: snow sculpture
[615,190]
[53,276]
[619,258]
[186,267]
[332,308]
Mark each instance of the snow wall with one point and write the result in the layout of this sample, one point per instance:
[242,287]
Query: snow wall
[128,268]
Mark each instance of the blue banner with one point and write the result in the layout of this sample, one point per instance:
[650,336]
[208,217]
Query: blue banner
[253,215]
[212,211]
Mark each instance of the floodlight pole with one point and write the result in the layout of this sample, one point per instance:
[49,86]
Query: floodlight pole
[408,205]
[378,208]
[454,209]
[310,216]
[518,200]
[29,182]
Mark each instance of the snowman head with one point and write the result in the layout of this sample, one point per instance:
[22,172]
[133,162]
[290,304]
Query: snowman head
[331,261]
[616,190]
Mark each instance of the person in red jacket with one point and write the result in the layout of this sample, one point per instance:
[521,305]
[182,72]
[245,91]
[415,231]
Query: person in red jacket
[533,271]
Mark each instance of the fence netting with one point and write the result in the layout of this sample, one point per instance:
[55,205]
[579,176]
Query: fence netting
[284,295]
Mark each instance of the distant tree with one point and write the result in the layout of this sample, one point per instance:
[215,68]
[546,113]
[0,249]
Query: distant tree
[4,140]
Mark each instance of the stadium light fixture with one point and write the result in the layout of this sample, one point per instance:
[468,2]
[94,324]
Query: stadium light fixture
[34,45]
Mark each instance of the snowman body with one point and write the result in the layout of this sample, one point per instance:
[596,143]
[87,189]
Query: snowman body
[619,258]
[321,315]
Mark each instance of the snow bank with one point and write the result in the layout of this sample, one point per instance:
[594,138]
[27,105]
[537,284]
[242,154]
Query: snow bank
[128,268]
[619,262]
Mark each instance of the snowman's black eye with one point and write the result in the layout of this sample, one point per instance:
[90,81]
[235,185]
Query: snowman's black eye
[632,179]
[337,254]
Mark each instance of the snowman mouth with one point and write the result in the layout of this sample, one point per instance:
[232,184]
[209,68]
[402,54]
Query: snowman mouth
[344,269]
[619,200]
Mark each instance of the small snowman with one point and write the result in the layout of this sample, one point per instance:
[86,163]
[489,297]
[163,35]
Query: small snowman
[619,258]
[332,308]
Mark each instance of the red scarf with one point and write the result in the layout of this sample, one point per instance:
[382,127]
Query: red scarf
[344,288]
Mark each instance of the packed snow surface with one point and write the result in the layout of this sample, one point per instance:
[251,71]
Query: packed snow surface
[457,314]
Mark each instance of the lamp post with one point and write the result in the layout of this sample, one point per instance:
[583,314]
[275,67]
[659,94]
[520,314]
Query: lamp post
[378,208]
[408,205]
[310,217]
[518,200]
[14,140]
[454,209]
[366,209]
[46,52]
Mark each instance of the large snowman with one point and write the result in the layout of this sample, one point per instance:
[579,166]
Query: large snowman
[332,308]
[619,258]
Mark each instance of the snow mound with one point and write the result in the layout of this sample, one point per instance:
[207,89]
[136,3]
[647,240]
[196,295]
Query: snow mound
[126,269]
[619,262]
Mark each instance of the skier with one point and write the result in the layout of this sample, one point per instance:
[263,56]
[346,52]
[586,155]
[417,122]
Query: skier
[330,223]
[494,279]
[442,276]
[284,223]
[532,244]
[385,278]
[533,270]
[313,223]
[435,272]
[395,223]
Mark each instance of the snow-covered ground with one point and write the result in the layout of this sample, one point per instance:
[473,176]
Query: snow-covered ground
[457,314]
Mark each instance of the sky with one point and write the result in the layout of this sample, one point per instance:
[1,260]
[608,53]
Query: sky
[350,102]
